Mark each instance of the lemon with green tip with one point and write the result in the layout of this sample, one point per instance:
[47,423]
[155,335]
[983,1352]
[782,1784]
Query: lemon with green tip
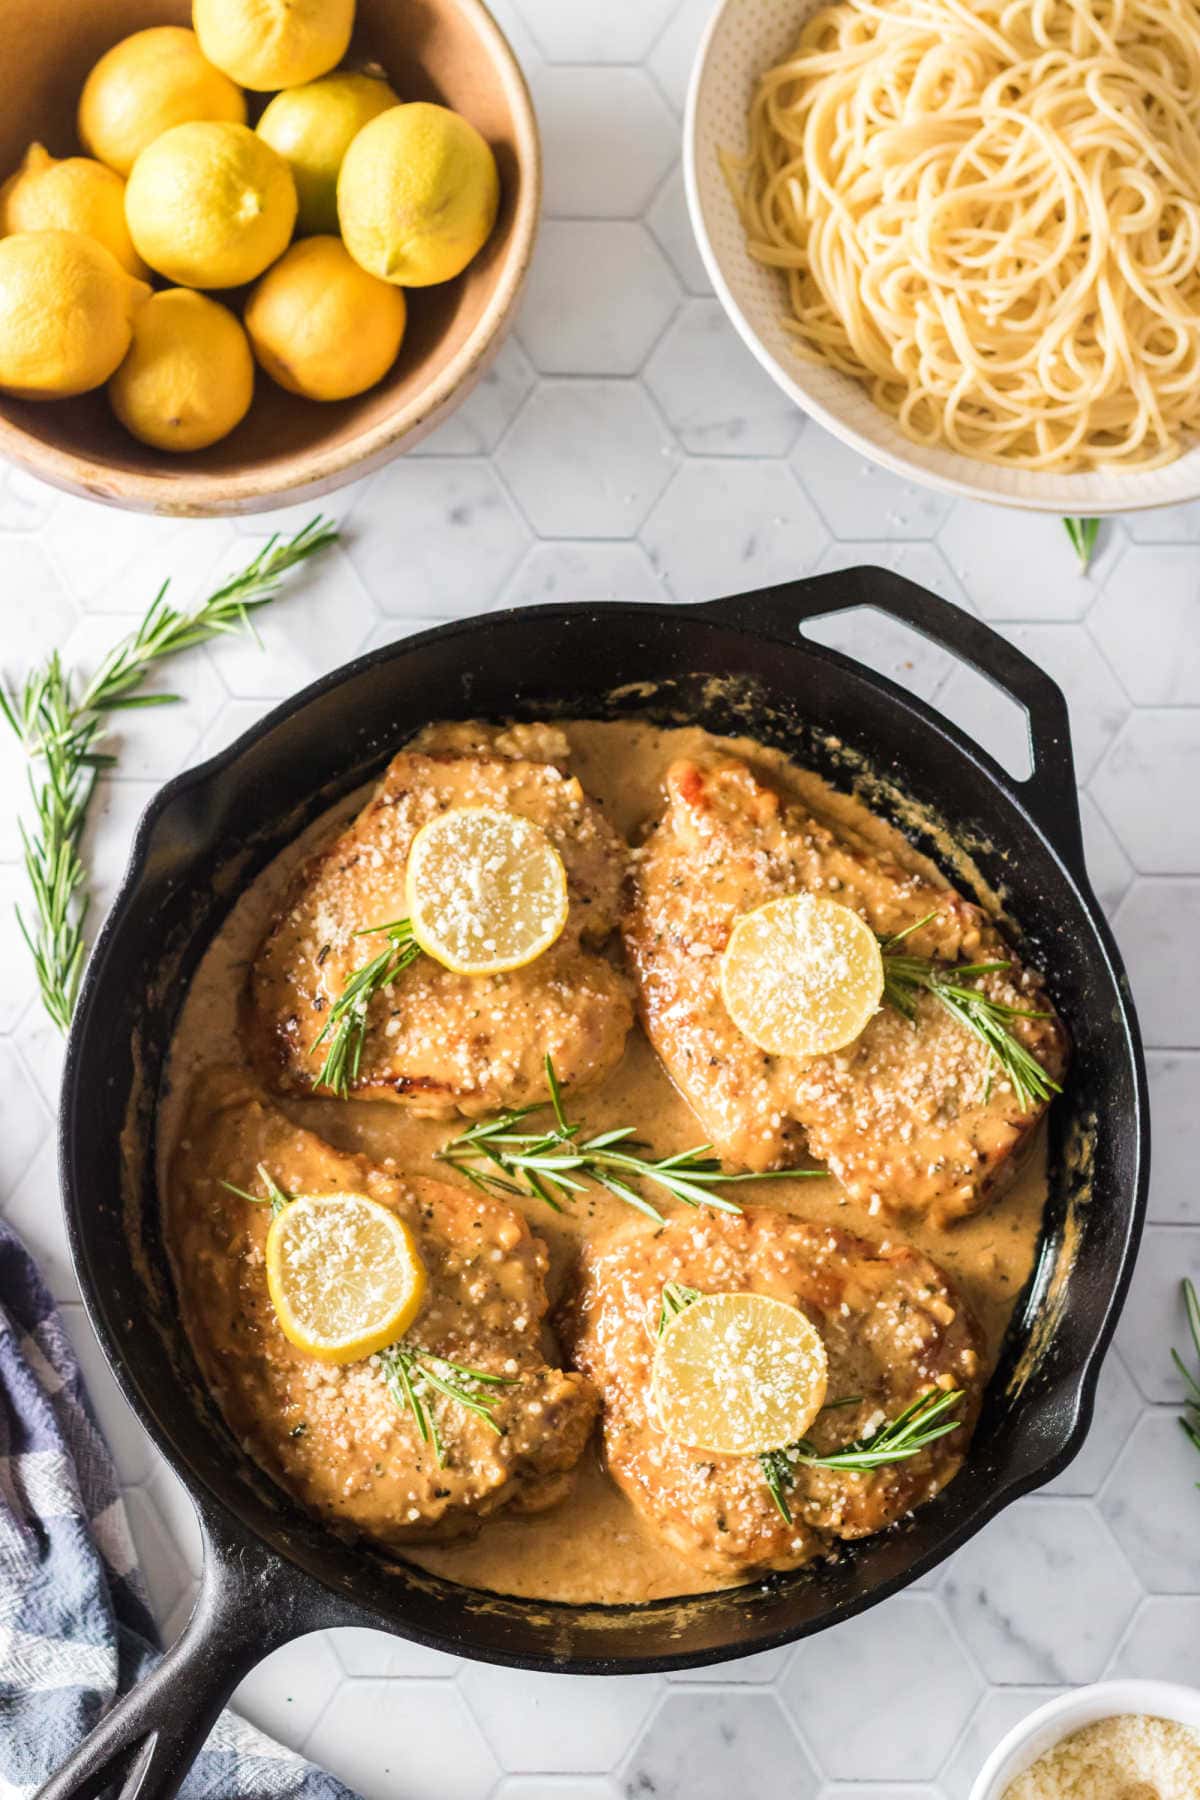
[143,86]
[321,326]
[210,205]
[313,127]
[188,376]
[67,309]
[417,194]
[75,193]
[268,44]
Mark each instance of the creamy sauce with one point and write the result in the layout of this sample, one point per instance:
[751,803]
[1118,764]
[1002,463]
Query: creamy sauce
[593,1547]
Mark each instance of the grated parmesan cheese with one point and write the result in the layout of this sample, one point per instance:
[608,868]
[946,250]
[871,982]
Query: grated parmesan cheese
[1131,1757]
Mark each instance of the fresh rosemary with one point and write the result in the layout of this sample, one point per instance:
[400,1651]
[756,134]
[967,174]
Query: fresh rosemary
[62,731]
[275,1197]
[558,1163]
[1190,1416]
[346,1027]
[905,976]
[411,1374]
[676,1298]
[913,1430]
[1083,534]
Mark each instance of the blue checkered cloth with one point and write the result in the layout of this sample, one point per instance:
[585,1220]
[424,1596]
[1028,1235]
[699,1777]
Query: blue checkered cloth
[75,1629]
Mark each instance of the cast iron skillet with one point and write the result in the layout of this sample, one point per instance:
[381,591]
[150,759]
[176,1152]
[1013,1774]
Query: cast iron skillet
[272,1573]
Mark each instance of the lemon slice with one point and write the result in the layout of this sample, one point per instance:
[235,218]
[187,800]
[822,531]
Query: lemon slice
[802,976]
[344,1275]
[738,1373]
[486,890]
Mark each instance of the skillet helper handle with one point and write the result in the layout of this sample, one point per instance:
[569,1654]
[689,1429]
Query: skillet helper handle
[145,1745]
[1049,794]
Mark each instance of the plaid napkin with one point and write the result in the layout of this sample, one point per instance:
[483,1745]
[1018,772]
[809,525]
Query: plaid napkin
[75,1629]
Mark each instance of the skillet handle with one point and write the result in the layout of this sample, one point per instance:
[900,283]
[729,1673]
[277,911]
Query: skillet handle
[149,1740]
[1049,794]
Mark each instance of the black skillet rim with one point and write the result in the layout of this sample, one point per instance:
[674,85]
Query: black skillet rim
[217,1517]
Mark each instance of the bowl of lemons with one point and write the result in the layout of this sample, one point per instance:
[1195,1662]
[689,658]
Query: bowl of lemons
[250,249]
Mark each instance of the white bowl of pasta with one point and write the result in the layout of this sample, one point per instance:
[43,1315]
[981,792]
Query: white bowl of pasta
[1022,282]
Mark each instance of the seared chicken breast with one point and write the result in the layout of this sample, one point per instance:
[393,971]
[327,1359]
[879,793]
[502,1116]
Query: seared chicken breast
[913,1116]
[893,1329]
[437,1042]
[335,1435]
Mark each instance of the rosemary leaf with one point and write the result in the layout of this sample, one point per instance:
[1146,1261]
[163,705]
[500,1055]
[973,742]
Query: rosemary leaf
[62,733]
[1189,1418]
[556,1164]
[777,1473]
[676,1298]
[275,1196]
[1083,534]
[346,1027]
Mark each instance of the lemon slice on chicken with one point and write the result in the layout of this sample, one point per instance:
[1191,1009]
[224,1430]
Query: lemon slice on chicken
[486,890]
[344,1275]
[738,1374]
[802,976]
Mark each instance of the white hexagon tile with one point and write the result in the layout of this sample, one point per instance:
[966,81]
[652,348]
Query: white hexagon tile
[625,445]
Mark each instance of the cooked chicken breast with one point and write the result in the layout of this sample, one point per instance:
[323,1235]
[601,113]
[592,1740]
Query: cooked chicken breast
[334,1435]
[438,1042]
[893,1329]
[910,1120]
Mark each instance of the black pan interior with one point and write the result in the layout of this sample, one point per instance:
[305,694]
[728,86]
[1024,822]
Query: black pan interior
[213,830]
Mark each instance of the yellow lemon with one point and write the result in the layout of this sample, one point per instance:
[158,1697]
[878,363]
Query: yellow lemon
[802,976]
[313,127]
[320,325]
[146,84]
[486,890]
[267,44]
[188,378]
[75,194]
[417,195]
[738,1374]
[210,205]
[344,1275]
[66,313]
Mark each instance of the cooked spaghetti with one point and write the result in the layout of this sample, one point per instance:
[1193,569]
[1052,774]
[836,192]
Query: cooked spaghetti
[988,212]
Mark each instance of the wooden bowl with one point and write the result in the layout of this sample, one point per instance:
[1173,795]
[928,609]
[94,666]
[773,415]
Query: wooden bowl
[446,50]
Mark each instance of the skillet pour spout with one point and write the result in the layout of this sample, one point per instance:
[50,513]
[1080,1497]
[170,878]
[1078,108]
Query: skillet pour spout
[738,664]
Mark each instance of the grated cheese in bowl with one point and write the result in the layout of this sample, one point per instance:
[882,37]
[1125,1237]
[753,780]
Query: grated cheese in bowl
[1130,1757]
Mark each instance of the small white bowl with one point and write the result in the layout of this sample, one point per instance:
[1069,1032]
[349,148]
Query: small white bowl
[1051,1723]
[745,37]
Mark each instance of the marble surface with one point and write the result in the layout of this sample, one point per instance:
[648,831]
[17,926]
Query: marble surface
[625,445]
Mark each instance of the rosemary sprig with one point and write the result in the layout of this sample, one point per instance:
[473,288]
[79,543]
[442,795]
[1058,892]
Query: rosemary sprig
[62,732]
[911,1431]
[412,1373]
[1190,1416]
[905,976]
[676,1298]
[346,1026]
[1083,534]
[275,1197]
[556,1164]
